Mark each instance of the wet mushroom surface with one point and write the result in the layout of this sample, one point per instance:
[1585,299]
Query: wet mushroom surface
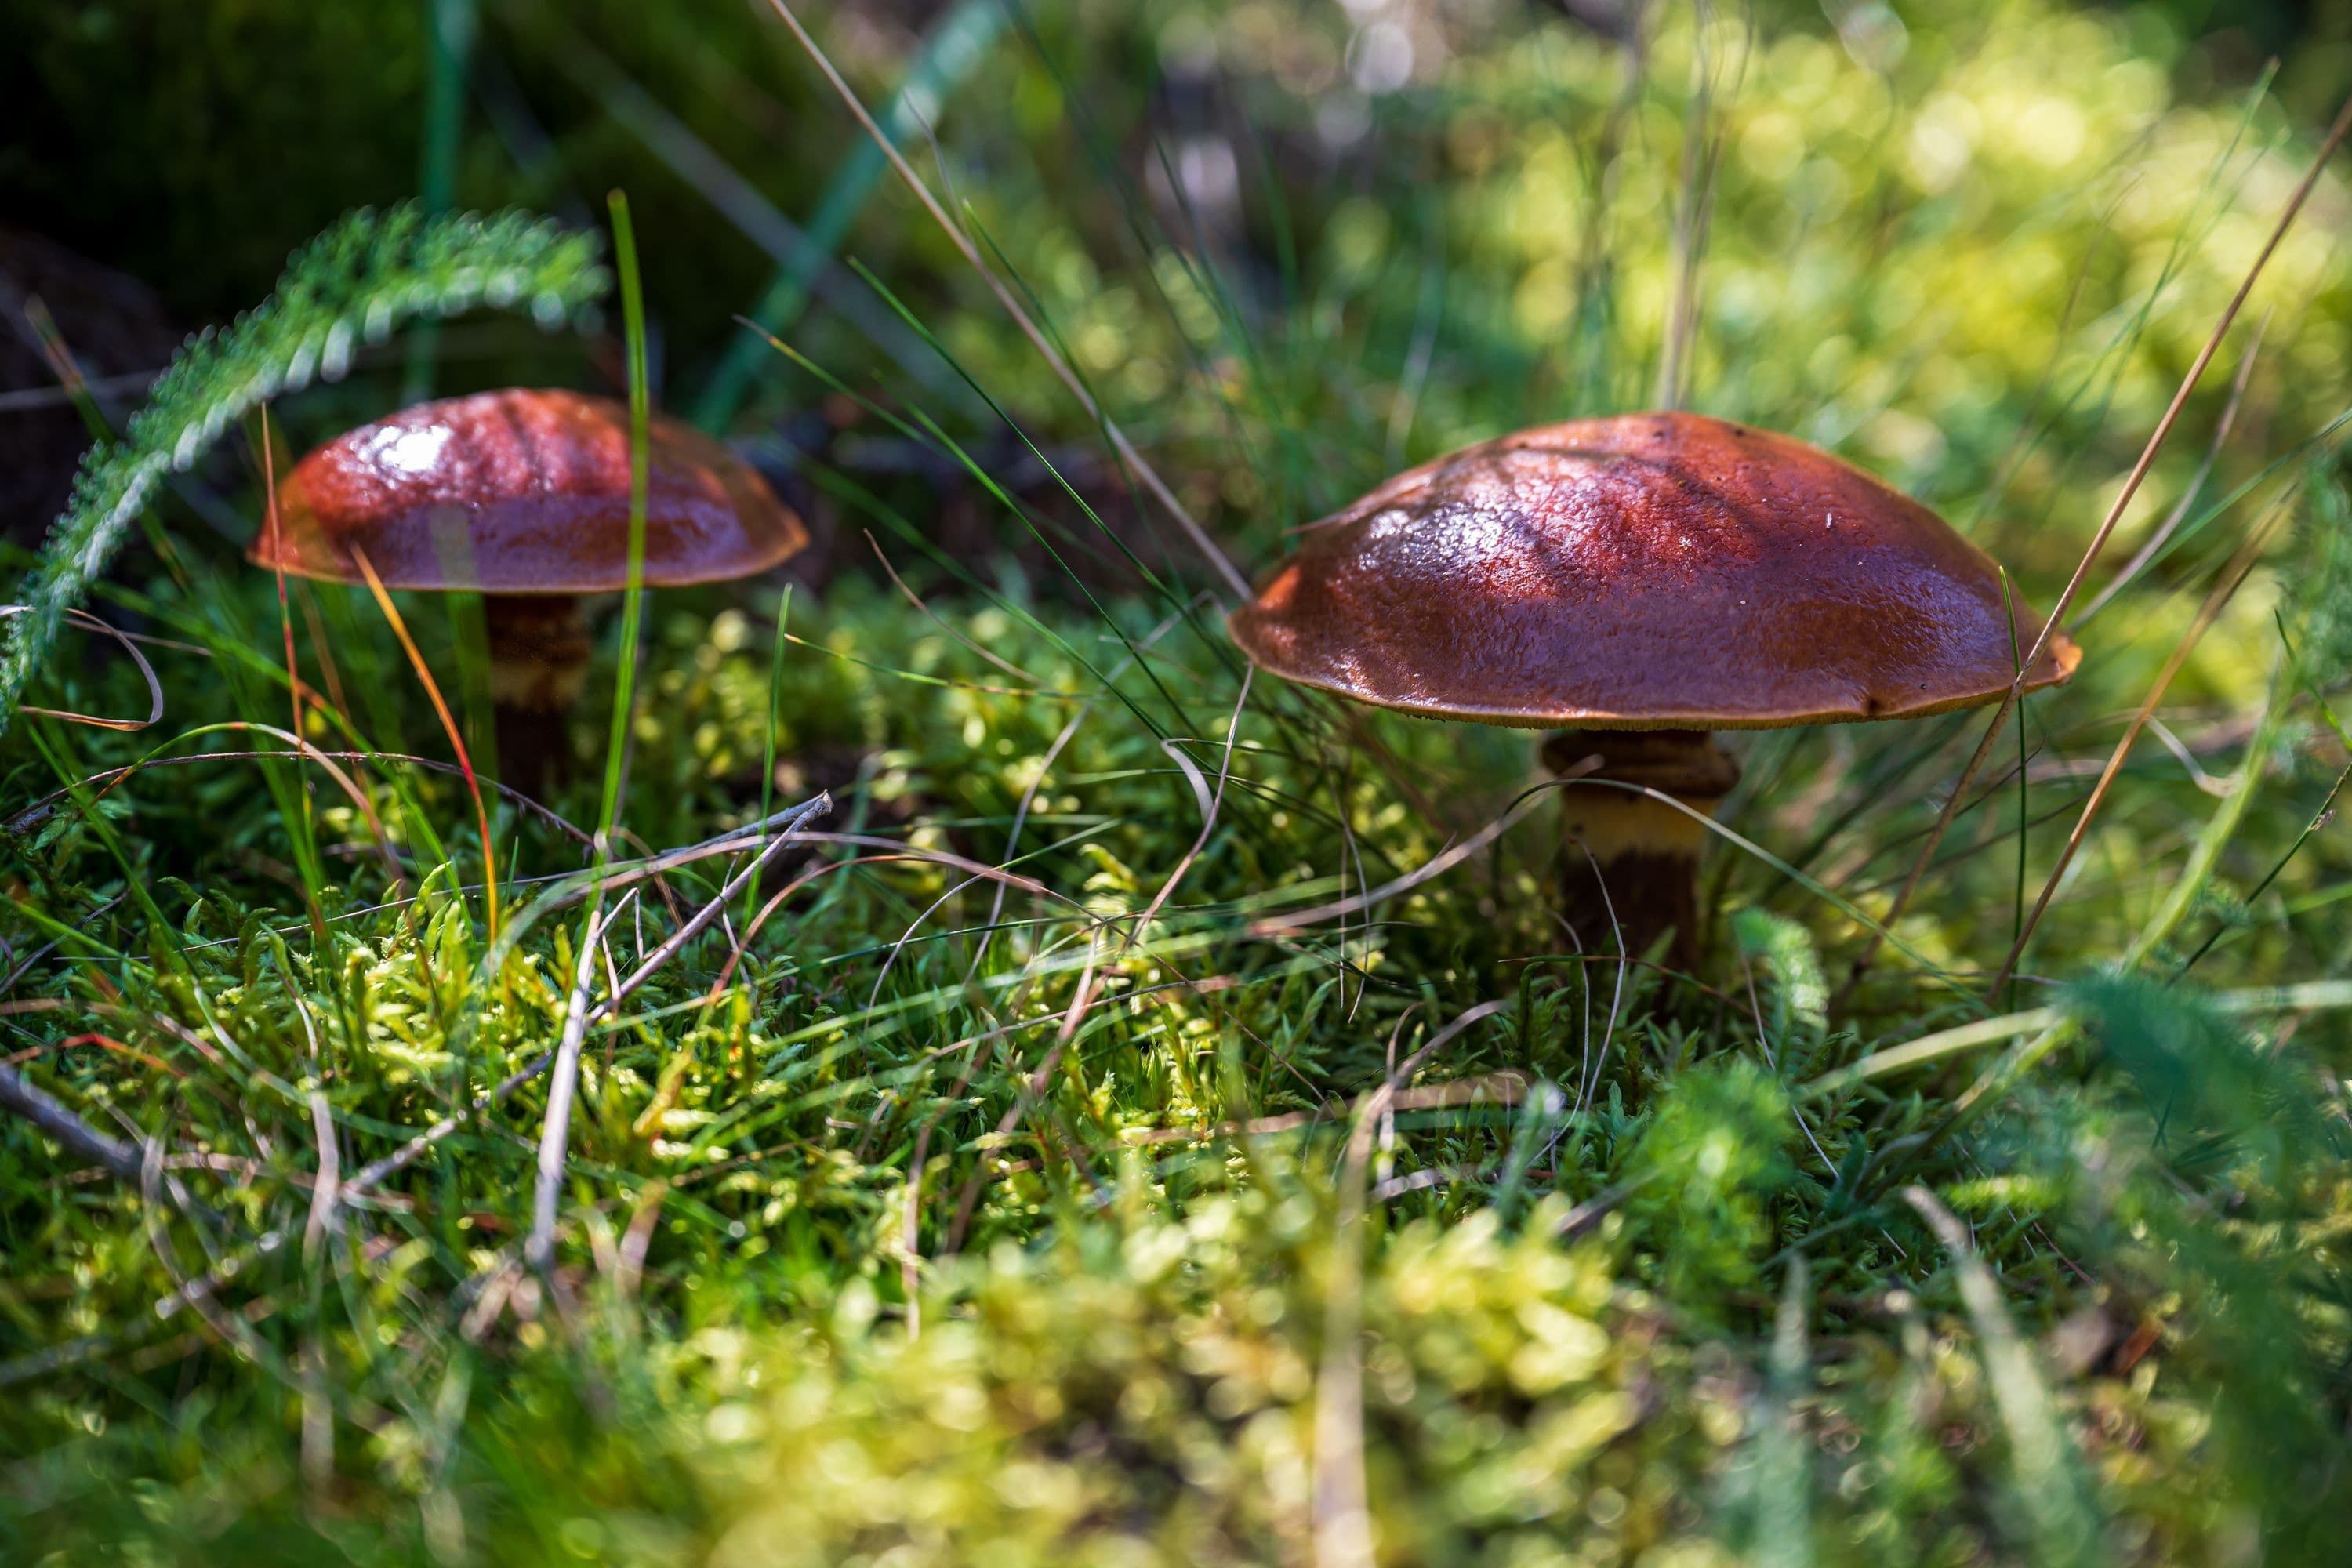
[1657,571]
[1666,572]
[522,495]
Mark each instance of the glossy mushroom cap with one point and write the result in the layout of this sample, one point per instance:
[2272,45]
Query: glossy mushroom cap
[522,491]
[1657,570]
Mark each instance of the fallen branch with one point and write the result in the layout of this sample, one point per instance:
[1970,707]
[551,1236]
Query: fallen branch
[45,1111]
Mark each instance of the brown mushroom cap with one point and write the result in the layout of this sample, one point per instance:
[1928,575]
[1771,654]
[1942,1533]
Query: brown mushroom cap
[522,491]
[1657,571]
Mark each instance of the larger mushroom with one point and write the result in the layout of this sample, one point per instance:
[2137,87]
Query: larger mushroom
[522,495]
[1666,574]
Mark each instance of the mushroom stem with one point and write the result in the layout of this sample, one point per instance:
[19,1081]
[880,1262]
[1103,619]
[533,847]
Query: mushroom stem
[538,659]
[1629,866]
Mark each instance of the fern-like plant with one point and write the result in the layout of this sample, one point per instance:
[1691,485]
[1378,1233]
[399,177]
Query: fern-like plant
[365,275]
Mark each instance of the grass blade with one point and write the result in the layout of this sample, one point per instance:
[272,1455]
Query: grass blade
[953,49]
[2065,601]
[1236,584]
[2043,1462]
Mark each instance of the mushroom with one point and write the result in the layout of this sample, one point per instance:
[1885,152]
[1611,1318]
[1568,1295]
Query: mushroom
[522,495]
[1638,583]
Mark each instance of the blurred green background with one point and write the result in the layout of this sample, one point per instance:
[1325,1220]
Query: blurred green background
[193,144]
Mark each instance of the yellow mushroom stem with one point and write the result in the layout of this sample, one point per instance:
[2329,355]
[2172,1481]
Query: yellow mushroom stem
[1630,862]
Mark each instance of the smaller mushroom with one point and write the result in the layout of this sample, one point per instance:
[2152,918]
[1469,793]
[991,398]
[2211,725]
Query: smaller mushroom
[522,495]
[1638,583]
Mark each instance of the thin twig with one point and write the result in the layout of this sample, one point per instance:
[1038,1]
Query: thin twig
[1437,865]
[2157,540]
[2231,577]
[45,1111]
[381,1170]
[373,1175]
[788,831]
[1209,807]
[941,621]
[1587,1086]
[555,1129]
[38,954]
[1033,1089]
